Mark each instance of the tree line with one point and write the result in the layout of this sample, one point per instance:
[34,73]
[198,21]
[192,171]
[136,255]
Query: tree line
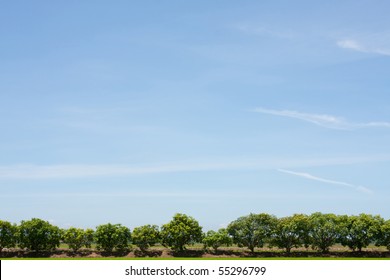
[317,231]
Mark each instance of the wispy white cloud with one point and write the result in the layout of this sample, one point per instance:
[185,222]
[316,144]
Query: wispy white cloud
[323,120]
[323,180]
[360,47]
[351,44]
[318,119]
[22,172]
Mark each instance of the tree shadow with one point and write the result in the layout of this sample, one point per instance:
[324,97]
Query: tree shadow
[188,253]
[121,253]
[79,253]
[223,252]
[147,253]
[191,253]
[305,254]
[25,254]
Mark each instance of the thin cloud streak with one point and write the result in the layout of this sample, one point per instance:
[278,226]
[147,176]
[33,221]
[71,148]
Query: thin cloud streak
[42,172]
[323,120]
[323,180]
[357,46]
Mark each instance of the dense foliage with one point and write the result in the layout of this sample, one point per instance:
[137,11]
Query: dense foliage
[290,232]
[77,238]
[384,236]
[109,237]
[253,230]
[357,232]
[145,236]
[89,237]
[182,230]
[7,235]
[39,235]
[324,231]
[216,239]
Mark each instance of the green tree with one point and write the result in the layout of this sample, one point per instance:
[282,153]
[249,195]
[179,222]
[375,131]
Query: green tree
[39,235]
[89,235]
[77,238]
[112,236]
[253,230]
[384,237]
[182,230]
[215,239]
[7,235]
[359,231]
[324,231]
[290,232]
[145,236]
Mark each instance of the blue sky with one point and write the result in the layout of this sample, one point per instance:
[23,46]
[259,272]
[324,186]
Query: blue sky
[132,111]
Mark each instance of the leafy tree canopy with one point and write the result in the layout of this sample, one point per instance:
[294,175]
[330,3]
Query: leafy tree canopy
[77,238]
[253,230]
[112,236]
[39,235]
[145,236]
[7,235]
[324,230]
[359,231]
[384,236]
[290,232]
[182,230]
[215,239]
